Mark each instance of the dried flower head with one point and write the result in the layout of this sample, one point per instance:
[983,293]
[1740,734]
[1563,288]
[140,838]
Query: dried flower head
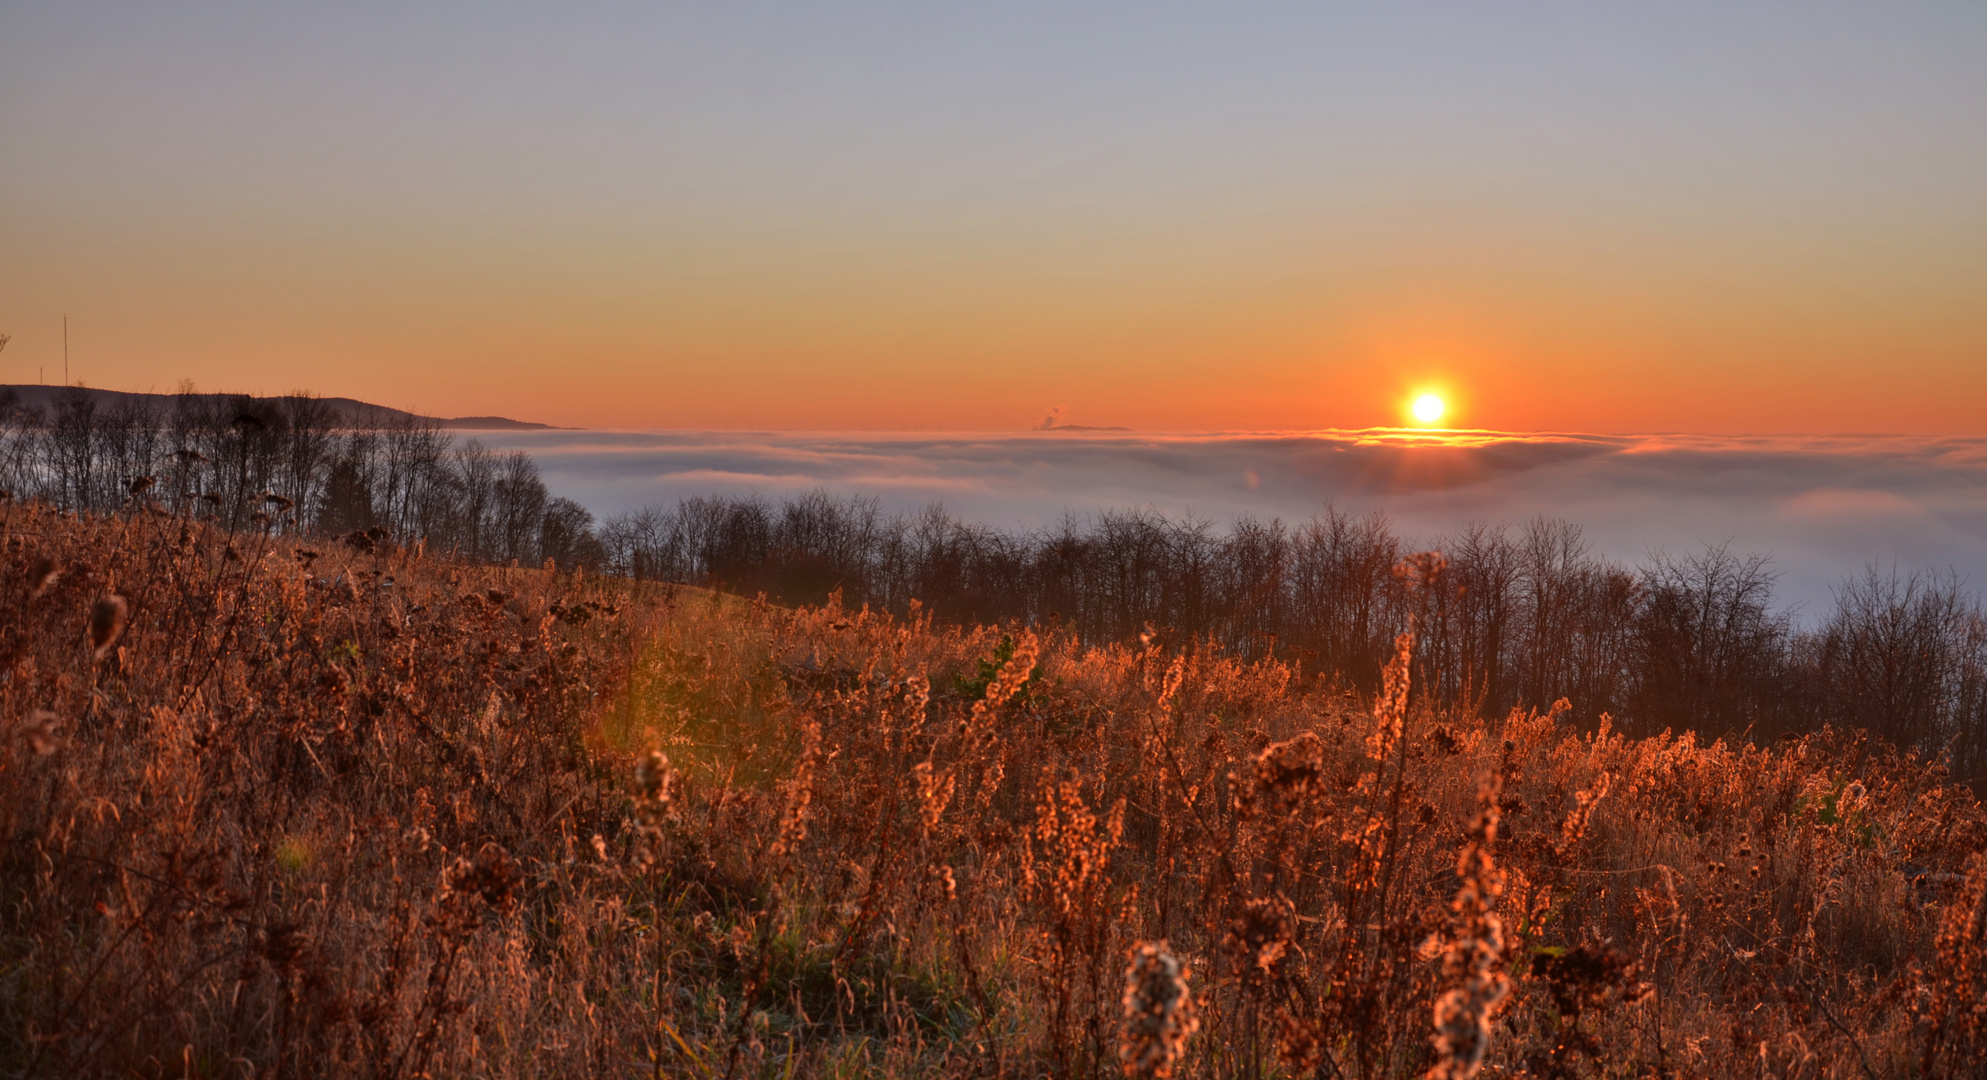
[1584,976]
[41,575]
[934,793]
[1074,845]
[1957,1005]
[1158,1012]
[494,876]
[284,944]
[944,887]
[800,791]
[1473,954]
[1013,674]
[41,732]
[917,698]
[1261,934]
[107,617]
[654,779]
[1575,827]
[1297,1044]
[1390,706]
[1288,771]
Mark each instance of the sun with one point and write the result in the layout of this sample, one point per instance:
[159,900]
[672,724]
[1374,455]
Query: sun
[1427,409]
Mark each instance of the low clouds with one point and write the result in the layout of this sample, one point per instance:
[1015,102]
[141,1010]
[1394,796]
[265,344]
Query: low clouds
[1822,506]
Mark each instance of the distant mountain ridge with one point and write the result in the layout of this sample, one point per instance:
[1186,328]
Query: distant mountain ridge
[44,398]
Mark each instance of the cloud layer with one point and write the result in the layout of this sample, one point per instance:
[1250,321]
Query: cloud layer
[1821,506]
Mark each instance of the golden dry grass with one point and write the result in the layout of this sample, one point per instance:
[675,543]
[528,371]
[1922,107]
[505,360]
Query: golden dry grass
[371,813]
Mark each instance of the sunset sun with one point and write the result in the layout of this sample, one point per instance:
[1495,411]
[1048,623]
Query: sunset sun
[1436,540]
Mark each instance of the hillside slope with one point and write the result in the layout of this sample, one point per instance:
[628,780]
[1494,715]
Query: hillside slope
[47,399]
[315,810]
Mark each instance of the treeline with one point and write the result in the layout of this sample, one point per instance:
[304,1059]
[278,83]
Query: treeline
[294,463]
[1517,617]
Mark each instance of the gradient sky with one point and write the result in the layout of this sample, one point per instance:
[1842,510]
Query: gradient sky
[1709,217]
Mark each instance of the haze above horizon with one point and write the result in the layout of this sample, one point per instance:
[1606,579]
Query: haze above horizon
[1698,218]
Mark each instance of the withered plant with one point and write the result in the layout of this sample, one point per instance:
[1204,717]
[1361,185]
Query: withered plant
[355,809]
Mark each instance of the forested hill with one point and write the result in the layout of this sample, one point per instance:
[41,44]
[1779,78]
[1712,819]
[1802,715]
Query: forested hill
[47,399]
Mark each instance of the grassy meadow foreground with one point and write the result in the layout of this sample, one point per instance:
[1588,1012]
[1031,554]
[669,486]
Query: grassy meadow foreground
[338,808]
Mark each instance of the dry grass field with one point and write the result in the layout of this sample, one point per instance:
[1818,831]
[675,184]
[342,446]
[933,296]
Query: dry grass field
[275,808]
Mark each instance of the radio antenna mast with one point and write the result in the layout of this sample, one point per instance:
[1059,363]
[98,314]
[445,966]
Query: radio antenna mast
[65,348]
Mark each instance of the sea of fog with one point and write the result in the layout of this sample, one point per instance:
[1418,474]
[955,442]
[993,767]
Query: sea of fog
[1821,506]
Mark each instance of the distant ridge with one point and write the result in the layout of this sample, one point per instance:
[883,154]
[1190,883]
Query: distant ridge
[44,398]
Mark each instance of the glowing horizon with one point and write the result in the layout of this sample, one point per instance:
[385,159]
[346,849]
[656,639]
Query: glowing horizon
[890,217]
[1821,506]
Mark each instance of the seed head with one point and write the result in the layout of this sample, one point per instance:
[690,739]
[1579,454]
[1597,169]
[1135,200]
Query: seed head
[1586,975]
[284,945]
[800,791]
[1288,771]
[944,887]
[1961,949]
[42,575]
[494,876]
[42,732]
[654,779]
[1390,706]
[1014,674]
[1577,820]
[917,696]
[1261,935]
[1473,955]
[934,793]
[107,622]
[1159,1012]
[1297,1044]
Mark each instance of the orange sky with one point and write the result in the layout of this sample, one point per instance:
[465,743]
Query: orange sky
[979,223]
